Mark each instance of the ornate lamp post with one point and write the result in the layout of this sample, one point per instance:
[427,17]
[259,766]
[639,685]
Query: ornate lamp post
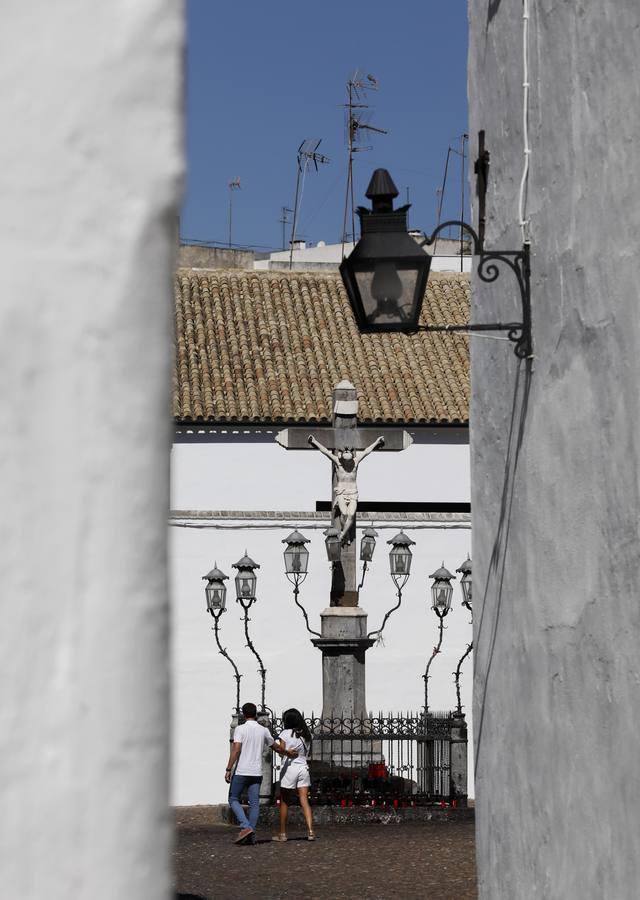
[441,593]
[465,584]
[367,546]
[296,562]
[400,566]
[216,596]
[246,582]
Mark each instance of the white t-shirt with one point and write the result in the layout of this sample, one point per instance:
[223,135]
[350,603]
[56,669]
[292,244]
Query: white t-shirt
[293,742]
[255,739]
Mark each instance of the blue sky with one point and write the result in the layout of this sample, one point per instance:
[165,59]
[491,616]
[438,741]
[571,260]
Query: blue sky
[261,77]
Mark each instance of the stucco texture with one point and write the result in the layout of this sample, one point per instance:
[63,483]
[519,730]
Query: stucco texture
[90,169]
[554,444]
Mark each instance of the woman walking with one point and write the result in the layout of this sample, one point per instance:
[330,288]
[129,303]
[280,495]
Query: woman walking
[294,775]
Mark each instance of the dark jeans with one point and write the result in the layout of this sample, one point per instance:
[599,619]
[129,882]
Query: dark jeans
[252,785]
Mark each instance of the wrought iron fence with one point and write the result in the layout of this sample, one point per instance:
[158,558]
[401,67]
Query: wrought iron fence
[380,760]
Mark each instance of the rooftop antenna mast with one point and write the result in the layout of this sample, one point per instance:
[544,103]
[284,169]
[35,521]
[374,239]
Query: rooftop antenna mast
[307,154]
[284,221]
[358,117]
[234,185]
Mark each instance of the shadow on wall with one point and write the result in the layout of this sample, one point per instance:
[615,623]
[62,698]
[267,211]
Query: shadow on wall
[492,9]
[495,575]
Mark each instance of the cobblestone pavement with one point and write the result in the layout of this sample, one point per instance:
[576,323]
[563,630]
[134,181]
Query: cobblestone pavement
[433,860]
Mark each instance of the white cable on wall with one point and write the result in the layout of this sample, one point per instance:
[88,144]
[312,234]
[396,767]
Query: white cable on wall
[524,181]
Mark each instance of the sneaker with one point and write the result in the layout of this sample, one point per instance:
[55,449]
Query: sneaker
[311,836]
[280,838]
[243,836]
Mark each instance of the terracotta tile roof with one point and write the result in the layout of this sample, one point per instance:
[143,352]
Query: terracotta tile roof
[270,346]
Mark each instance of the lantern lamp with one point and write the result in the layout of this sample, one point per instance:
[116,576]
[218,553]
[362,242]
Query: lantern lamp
[385,275]
[333,544]
[466,581]
[368,544]
[296,555]
[400,555]
[215,590]
[441,591]
[246,579]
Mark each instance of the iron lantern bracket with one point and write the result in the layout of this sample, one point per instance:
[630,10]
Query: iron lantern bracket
[490,265]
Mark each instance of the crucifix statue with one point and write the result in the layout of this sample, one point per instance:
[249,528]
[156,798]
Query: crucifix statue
[344,639]
[346,444]
[345,491]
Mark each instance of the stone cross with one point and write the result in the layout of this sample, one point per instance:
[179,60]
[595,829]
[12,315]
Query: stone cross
[346,445]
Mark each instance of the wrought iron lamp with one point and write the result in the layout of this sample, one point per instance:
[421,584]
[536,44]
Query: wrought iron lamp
[441,593]
[296,563]
[399,566]
[216,596]
[367,546]
[465,584]
[333,544]
[386,274]
[246,583]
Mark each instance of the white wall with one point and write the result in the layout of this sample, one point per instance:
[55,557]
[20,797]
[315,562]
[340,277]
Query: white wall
[263,477]
[90,161]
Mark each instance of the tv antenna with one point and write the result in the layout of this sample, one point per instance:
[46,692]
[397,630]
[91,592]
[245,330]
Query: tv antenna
[307,154]
[284,221]
[358,126]
[234,185]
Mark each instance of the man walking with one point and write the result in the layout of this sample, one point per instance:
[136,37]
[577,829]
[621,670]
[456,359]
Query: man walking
[250,740]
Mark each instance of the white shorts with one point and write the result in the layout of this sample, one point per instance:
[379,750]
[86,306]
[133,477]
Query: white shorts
[295,776]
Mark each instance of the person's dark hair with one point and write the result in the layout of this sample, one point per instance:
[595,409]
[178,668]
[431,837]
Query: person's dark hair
[292,719]
[249,710]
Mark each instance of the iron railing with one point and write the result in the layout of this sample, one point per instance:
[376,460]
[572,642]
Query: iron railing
[380,760]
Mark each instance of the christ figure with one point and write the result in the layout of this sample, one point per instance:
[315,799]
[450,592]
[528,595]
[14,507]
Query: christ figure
[346,464]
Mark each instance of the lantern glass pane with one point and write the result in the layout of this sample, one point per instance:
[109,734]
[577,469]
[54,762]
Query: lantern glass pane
[216,595]
[388,292]
[245,585]
[466,588]
[441,593]
[367,546]
[400,560]
[296,559]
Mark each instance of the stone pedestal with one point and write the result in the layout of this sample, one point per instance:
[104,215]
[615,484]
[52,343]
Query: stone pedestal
[343,644]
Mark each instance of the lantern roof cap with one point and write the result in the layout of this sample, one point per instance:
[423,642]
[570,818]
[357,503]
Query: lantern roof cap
[465,567]
[215,574]
[381,185]
[246,563]
[295,538]
[442,574]
[370,532]
[401,538]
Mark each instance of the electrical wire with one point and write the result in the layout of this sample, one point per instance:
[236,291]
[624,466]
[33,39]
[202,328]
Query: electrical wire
[524,181]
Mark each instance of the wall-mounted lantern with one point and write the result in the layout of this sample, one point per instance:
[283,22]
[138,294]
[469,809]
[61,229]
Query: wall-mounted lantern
[386,274]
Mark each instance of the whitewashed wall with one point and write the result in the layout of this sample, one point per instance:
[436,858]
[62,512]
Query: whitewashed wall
[266,477]
[90,161]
